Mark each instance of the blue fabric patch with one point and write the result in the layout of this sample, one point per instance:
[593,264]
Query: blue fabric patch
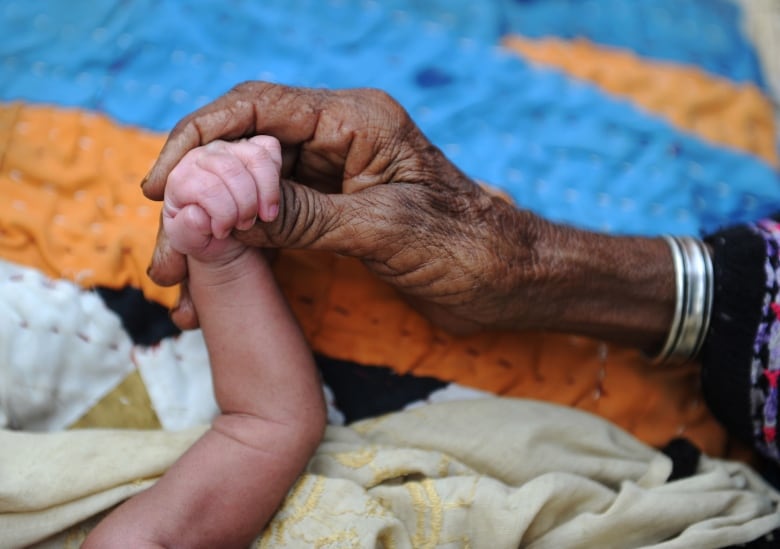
[431,77]
[558,146]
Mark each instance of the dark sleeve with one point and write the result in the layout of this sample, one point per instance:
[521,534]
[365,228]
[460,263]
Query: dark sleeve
[741,355]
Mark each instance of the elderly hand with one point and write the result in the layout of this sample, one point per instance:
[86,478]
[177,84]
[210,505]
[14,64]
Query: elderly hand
[360,179]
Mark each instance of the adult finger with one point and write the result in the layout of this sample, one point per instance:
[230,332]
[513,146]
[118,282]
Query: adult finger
[332,140]
[350,224]
[249,109]
[183,313]
[168,267]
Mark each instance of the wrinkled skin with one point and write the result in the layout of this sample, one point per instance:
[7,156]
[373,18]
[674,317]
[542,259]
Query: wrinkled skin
[360,179]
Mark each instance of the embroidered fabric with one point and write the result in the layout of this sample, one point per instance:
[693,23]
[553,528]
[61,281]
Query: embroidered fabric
[765,365]
[526,474]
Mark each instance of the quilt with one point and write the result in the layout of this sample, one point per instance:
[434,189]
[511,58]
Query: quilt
[624,116]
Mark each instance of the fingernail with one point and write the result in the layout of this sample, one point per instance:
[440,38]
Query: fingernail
[146,178]
[273,211]
[248,224]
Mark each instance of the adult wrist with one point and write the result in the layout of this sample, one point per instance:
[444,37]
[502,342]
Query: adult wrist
[619,289]
[694,285]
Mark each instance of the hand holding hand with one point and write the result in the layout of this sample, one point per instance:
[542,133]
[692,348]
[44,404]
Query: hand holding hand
[360,179]
[217,188]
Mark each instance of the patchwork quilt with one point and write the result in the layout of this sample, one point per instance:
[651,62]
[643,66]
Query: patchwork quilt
[624,116]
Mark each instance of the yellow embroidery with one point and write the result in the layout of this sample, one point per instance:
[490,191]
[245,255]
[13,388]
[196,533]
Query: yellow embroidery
[444,466]
[339,540]
[358,459]
[419,506]
[383,474]
[427,504]
[437,512]
[293,512]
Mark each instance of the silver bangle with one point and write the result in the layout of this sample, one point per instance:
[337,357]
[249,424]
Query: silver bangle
[693,300]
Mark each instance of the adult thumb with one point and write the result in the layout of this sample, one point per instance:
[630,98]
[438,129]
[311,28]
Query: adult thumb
[310,219]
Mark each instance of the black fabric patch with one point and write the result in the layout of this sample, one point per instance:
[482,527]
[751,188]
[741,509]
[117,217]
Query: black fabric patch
[362,392]
[740,283]
[145,321]
[685,458]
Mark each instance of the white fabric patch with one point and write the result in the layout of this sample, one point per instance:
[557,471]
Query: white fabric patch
[450,393]
[177,376]
[335,416]
[61,350]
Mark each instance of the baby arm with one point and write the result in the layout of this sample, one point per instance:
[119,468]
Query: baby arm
[223,490]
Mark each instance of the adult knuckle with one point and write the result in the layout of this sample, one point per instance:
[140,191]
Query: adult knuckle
[388,106]
[380,97]
[184,125]
[243,88]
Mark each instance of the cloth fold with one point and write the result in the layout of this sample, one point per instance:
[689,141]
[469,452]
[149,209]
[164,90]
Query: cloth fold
[495,472]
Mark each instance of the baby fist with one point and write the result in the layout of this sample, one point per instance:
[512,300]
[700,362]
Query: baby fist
[217,188]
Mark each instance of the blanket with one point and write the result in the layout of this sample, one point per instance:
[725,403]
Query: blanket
[526,474]
[624,116]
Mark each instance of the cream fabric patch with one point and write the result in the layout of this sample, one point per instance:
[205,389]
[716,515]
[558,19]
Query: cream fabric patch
[499,473]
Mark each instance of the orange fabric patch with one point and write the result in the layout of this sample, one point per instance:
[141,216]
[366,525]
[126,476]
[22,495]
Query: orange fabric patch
[738,116]
[348,314]
[73,208]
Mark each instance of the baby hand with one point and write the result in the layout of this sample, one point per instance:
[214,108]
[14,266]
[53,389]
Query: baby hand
[217,188]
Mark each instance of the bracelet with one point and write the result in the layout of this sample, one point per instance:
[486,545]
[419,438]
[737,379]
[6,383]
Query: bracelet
[693,280]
